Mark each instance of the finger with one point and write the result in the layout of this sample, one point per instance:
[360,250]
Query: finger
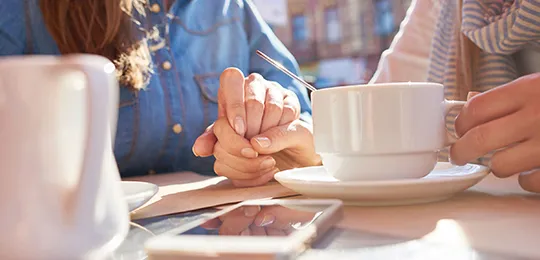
[488,137]
[273,232]
[257,165]
[212,224]
[251,211]
[223,169]
[530,181]
[292,135]
[257,231]
[230,141]
[486,107]
[515,159]
[231,98]
[273,108]
[261,180]
[291,108]
[235,223]
[282,218]
[204,144]
[255,98]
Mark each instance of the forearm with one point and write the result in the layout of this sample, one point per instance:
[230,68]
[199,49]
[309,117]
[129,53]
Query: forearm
[408,57]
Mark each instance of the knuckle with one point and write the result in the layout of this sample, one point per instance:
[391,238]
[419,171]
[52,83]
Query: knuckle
[473,105]
[272,107]
[235,105]
[480,136]
[275,85]
[288,93]
[289,111]
[254,77]
[218,169]
[252,166]
[280,132]
[218,151]
[254,105]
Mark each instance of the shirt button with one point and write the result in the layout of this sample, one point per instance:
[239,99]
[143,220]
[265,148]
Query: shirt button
[155,8]
[151,172]
[177,128]
[166,65]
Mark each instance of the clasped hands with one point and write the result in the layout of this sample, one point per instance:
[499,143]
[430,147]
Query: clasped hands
[258,131]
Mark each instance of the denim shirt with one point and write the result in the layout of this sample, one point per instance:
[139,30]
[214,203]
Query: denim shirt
[157,126]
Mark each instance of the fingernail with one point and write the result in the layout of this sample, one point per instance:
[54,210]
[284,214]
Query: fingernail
[245,233]
[239,126]
[251,211]
[194,152]
[249,153]
[268,163]
[267,220]
[263,142]
[472,94]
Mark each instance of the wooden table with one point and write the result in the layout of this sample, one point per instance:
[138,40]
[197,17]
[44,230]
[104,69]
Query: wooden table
[493,220]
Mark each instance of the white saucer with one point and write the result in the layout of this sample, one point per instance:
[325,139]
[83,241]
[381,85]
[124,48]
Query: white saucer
[442,183]
[137,193]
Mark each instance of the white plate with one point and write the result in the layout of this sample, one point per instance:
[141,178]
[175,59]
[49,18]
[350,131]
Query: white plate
[443,182]
[137,193]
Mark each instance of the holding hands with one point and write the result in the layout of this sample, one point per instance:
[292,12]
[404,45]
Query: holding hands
[258,131]
[506,120]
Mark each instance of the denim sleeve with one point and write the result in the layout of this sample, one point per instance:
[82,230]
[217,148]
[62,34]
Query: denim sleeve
[262,38]
[12,27]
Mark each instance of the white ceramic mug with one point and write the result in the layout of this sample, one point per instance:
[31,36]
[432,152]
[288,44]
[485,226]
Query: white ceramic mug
[381,131]
[60,190]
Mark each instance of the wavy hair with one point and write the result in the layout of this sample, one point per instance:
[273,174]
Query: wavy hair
[102,27]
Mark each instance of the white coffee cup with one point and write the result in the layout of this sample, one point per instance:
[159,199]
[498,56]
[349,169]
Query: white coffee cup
[381,131]
[60,188]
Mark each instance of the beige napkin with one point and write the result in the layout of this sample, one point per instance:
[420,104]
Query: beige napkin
[187,191]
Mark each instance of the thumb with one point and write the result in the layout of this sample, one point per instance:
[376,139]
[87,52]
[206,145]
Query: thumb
[204,145]
[294,135]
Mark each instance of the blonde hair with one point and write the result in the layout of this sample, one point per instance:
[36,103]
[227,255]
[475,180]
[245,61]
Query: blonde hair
[102,27]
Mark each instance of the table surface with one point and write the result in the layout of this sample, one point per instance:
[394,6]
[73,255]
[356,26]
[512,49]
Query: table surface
[495,219]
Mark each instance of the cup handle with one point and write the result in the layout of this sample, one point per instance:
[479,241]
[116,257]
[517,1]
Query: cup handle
[449,105]
[98,86]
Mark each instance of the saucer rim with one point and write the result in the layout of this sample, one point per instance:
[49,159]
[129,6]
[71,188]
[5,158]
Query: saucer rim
[480,172]
[152,188]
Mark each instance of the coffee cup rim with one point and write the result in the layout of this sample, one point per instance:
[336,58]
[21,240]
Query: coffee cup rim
[383,86]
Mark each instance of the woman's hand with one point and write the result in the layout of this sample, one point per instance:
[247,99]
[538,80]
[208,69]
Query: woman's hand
[506,120]
[247,107]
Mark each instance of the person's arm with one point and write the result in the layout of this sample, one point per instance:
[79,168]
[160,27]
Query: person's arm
[262,38]
[12,27]
[408,57]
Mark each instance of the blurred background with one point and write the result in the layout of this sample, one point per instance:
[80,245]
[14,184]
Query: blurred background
[336,42]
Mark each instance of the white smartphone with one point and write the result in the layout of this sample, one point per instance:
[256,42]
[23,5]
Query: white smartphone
[260,229]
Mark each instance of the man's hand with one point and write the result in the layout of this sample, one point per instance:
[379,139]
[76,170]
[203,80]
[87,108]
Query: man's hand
[506,120]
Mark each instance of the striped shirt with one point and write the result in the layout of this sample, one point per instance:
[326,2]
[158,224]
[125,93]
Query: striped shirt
[503,30]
